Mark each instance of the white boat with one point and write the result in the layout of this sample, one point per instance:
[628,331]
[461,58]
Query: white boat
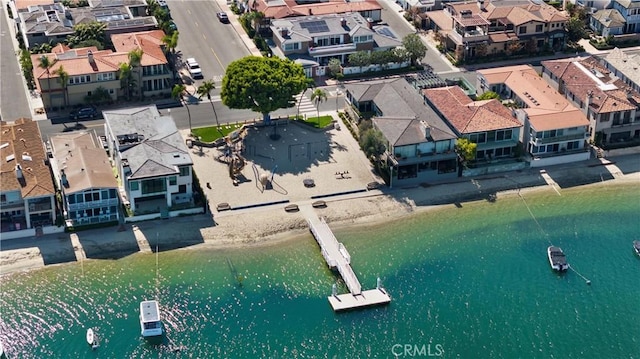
[90,337]
[636,247]
[557,259]
[150,323]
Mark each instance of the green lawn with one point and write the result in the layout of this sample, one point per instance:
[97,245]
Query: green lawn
[210,134]
[319,122]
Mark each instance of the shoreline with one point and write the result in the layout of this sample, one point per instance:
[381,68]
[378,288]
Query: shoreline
[273,226]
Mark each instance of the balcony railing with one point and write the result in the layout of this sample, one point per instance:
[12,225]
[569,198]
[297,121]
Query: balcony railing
[544,141]
[469,36]
[93,204]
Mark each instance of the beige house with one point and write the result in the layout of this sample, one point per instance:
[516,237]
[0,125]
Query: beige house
[27,193]
[85,179]
[90,69]
[486,27]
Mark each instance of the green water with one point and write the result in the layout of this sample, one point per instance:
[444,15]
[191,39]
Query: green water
[470,282]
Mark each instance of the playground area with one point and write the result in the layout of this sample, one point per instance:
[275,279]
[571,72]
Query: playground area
[256,167]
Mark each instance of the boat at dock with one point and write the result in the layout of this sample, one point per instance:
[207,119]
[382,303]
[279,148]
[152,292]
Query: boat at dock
[557,259]
[636,247]
[150,322]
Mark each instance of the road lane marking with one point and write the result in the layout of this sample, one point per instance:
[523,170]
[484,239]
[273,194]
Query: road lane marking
[204,36]
[217,58]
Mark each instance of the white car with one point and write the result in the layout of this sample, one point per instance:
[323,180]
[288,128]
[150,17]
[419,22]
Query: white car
[194,68]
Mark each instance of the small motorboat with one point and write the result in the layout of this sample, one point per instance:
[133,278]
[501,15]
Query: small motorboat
[91,338]
[636,247]
[150,322]
[557,259]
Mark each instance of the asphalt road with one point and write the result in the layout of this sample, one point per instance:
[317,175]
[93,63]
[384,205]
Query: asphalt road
[202,36]
[13,97]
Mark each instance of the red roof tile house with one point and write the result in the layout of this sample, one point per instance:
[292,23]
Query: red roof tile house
[279,9]
[90,69]
[27,192]
[489,124]
[554,131]
[612,107]
[486,27]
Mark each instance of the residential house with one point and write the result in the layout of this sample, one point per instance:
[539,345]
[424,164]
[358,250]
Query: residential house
[27,193]
[152,159]
[630,11]
[280,9]
[85,178]
[314,40]
[623,66]
[420,145]
[89,69]
[488,27]
[607,22]
[554,131]
[52,22]
[488,123]
[612,107]
[590,5]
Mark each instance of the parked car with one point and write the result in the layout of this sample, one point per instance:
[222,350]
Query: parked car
[222,16]
[194,68]
[82,113]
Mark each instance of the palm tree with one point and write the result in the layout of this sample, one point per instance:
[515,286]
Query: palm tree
[177,93]
[47,64]
[205,89]
[63,78]
[135,59]
[171,42]
[317,97]
[127,81]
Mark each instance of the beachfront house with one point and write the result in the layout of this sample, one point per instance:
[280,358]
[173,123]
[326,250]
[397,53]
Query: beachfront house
[85,179]
[152,161]
[554,131]
[27,193]
[420,146]
[489,124]
[612,107]
[624,66]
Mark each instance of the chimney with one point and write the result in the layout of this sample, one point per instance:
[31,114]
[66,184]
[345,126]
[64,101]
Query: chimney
[426,129]
[310,12]
[370,23]
[19,174]
[481,5]
[63,179]
[587,102]
[284,32]
[92,61]
[343,22]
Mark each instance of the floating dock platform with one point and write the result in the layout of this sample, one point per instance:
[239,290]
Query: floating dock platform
[337,257]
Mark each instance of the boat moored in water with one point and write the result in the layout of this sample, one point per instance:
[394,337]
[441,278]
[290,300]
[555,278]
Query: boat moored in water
[636,247]
[150,323]
[557,259]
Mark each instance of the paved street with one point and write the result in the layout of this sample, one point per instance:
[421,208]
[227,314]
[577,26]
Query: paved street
[13,97]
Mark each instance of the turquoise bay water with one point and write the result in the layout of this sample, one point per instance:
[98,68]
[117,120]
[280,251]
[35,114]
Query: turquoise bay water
[470,282]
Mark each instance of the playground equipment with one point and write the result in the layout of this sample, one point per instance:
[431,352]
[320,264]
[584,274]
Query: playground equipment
[231,155]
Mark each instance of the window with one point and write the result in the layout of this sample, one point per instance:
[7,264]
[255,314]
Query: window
[96,196]
[105,194]
[173,180]
[604,117]
[106,76]
[87,197]
[71,199]
[112,193]
[522,30]
[133,185]
[182,188]
[3,198]
[538,28]
[184,171]
[293,46]
[155,185]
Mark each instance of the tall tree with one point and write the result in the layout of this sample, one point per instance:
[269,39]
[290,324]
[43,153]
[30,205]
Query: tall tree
[317,97]
[205,90]
[170,43]
[63,78]
[262,84]
[135,60]
[360,59]
[466,151]
[126,79]
[415,47]
[177,93]
[88,31]
[47,64]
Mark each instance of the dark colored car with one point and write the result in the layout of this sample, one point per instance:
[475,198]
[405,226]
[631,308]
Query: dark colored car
[222,16]
[82,113]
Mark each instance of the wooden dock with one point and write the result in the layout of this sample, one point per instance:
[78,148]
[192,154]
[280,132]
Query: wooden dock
[337,257]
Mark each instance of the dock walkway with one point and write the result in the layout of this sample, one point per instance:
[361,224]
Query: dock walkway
[337,257]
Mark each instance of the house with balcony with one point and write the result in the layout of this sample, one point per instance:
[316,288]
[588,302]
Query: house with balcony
[27,192]
[554,130]
[85,179]
[612,107]
[420,145]
[623,66]
[91,69]
[488,123]
[314,40]
[53,22]
[607,22]
[484,28]
[152,160]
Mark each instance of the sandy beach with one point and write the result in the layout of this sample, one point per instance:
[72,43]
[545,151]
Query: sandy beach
[266,225]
